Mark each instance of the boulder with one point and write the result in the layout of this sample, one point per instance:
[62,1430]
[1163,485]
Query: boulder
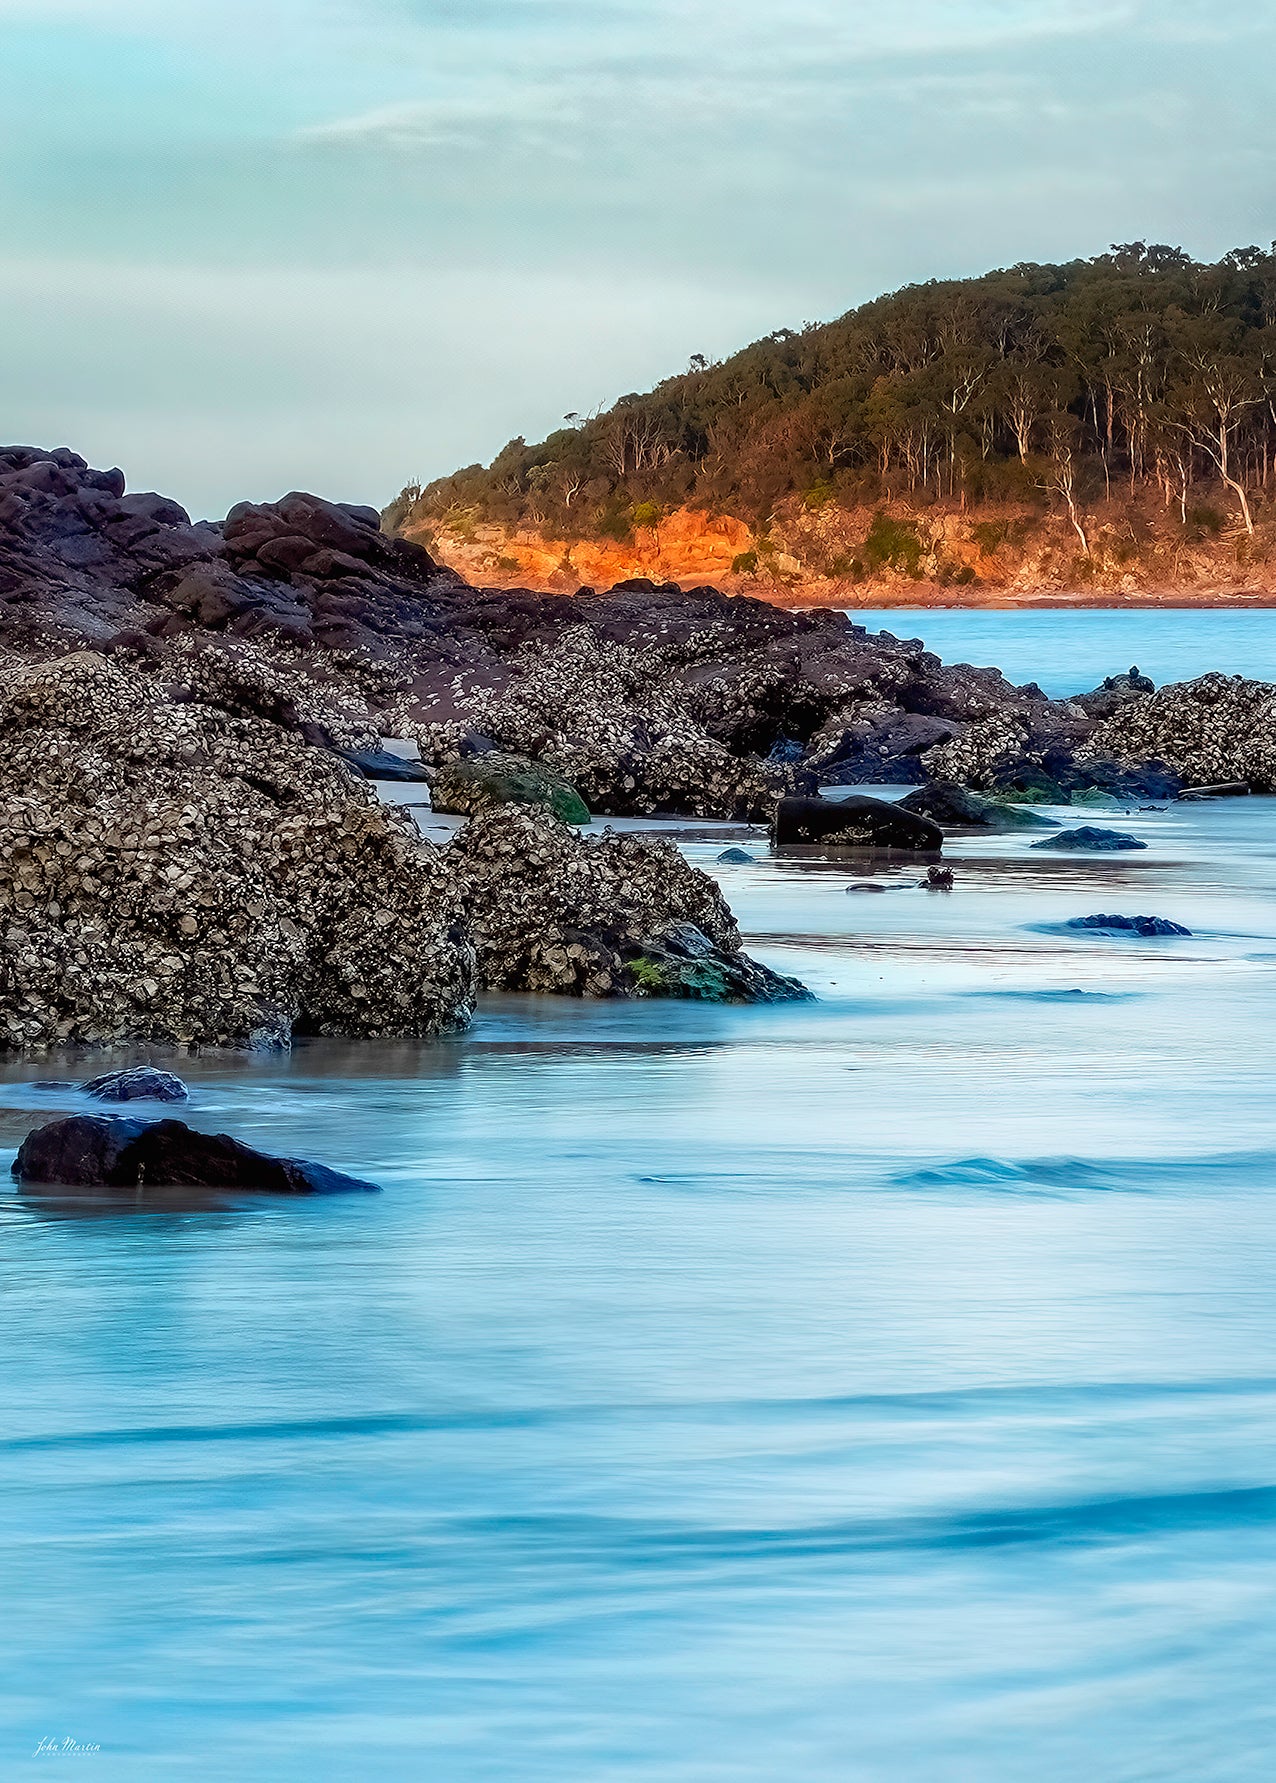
[957,807]
[854,822]
[140,1084]
[736,857]
[463,788]
[552,911]
[1135,925]
[113,1152]
[1090,840]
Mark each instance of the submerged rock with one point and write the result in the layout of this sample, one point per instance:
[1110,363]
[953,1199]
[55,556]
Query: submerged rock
[1230,789]
[1137,925]
[957,807]
[938,879]
[114,1152]
[736,857]
[142,1083]
[1091,840]
[855,822]
[467,786]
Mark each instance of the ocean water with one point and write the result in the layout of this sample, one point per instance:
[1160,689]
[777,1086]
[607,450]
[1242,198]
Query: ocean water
[1072,651]
[882,1389]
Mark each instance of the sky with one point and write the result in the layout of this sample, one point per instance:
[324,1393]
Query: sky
[254,245]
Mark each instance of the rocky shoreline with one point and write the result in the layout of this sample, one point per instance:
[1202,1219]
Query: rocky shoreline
[191,852]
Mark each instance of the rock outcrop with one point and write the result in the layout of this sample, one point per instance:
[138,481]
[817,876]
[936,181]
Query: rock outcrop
[1219,728]
[646,698]
[1129,925]
[174,872]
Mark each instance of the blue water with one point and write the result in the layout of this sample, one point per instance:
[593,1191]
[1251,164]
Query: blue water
[882,1389]
[1071,651]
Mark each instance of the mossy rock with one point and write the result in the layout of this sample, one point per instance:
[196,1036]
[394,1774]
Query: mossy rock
[464,788]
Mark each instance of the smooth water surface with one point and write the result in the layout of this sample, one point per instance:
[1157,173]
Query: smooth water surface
[1071,650]
[881,1389]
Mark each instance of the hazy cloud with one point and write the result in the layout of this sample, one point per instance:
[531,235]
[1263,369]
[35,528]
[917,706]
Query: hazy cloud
[281,199]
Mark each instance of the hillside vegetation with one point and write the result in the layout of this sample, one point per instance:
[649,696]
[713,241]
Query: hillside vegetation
[1141,382]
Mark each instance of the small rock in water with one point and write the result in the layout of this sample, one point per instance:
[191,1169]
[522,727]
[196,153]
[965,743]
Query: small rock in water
[98,1151]
[1134,925]
[1091,840]
[1227,789]
[864,885]
[736,857]
[140,1084]
[938,879]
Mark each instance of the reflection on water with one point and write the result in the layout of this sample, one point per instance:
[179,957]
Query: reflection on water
[877,1389]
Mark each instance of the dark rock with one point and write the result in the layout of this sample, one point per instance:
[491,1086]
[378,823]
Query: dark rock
[1138,780]
[112,1152]
[855,822]
[1091,840]
[957,807]
[736,857]
[938,879]
[140,1084]
[1137,925]
[379,764]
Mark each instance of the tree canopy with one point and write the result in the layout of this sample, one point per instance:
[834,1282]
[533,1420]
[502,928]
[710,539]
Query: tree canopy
[1142,365]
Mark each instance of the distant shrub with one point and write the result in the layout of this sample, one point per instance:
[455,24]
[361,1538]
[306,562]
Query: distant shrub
[1205,522]
[958,575]
[894,544]
[819,495]
[647,513]
[745,564]
[507,565]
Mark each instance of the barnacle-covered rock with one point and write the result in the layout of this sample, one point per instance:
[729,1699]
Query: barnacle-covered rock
[172,873]
[1219,728]
[606,916]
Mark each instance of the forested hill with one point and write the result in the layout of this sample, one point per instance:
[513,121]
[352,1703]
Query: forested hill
[1139,373]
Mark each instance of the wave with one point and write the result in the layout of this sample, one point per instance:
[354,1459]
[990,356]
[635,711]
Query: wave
[1123,1175]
